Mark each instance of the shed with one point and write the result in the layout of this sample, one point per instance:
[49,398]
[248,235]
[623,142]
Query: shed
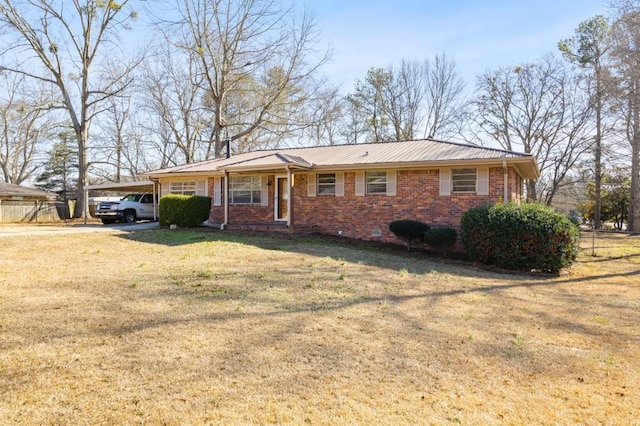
[23,204]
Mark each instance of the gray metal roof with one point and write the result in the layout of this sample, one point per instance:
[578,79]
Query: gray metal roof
[424,152]
[138,186]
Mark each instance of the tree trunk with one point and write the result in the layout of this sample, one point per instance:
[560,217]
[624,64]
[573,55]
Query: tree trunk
[633,220]
[597,205]
[83,168]
[531,190]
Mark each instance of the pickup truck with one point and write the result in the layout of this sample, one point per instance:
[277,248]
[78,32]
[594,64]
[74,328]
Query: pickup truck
[130,208]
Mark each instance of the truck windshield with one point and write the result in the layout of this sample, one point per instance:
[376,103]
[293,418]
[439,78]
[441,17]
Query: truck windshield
[130,197]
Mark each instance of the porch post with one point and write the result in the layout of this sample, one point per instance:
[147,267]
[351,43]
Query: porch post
[289,197]
[226,200]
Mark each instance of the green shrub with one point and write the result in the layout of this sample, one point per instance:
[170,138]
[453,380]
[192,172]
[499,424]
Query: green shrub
[475,234]
[520,236]
[183,210]
[441,238]
[410,231]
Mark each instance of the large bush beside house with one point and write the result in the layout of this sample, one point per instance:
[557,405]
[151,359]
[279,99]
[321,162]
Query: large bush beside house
[183,210]
[524,236]
[410,231]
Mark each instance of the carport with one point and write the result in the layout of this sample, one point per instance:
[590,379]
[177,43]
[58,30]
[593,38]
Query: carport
[146,186]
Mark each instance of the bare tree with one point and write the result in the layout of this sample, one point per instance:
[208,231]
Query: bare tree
[398,103]
[255,60]
[324,117]
[537,109]
[66,41]
[444,99]
[118,151]
[589,48]
[625,59]
[24,127]
[173,95]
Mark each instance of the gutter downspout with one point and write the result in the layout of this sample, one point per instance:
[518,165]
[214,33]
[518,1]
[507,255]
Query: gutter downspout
[289,197]
[226,201]
[505,172]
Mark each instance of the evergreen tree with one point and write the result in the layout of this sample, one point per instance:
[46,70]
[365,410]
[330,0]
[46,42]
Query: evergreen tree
[61,170]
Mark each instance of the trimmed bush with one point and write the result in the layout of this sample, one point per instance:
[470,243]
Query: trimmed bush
[410,231]
[184,210]
[475,234]
[520,236]
[441,238]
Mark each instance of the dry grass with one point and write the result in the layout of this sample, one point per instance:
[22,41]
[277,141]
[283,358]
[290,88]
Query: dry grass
[179,327]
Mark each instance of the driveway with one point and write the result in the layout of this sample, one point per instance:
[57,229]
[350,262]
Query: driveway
[13,230]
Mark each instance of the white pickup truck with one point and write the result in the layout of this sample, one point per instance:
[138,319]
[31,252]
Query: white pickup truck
[130,208]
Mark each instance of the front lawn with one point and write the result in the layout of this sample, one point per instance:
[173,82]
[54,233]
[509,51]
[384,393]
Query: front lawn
[187,327]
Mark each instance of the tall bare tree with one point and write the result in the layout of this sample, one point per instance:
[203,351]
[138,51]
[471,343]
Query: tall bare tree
[444,98]
[398,103]
[24,126]
[537,109]
[118,150]
[255,59]
[589,48]
[173,96]
[626,68]
[62,43]
[324,117]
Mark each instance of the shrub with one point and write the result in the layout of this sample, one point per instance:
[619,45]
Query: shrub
[475,234]
[520,236]
[441,238]
[409,231]
[183,210]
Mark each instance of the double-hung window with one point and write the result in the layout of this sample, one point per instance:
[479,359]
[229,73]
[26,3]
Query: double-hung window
[326,183]
[245,190]
[184,188]
[463,180]
[376,182]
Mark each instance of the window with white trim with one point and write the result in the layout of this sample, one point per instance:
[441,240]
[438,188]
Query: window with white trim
[463,180]
[245,190]
[326,183]
[184,188]
[376,182]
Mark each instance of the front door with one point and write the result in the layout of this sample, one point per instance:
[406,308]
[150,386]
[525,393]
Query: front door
[282,199]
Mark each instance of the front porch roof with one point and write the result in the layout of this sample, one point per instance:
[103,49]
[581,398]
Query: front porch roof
[271,162]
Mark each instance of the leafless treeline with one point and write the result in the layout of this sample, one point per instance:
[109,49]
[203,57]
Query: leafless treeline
[249,71]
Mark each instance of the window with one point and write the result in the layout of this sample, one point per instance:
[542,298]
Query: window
[147,199]
[184,188]
[463,180]
[245,190]
[376,182]
[326,184]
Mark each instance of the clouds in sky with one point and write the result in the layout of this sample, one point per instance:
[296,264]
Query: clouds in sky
[479,35]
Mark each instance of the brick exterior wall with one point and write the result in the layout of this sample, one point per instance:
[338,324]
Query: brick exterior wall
[367,217]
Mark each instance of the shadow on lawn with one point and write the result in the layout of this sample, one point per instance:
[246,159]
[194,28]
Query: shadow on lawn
[383,255]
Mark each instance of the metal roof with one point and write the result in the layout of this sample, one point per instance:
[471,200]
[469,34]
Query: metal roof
[139,186]
[416,153]
[13,190]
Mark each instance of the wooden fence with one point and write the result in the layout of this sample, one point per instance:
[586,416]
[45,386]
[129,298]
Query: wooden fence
[32,211]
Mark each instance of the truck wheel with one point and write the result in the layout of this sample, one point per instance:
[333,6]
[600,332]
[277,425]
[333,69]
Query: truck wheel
[129,216]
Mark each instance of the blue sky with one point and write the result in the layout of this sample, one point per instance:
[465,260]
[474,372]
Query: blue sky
[479,35]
